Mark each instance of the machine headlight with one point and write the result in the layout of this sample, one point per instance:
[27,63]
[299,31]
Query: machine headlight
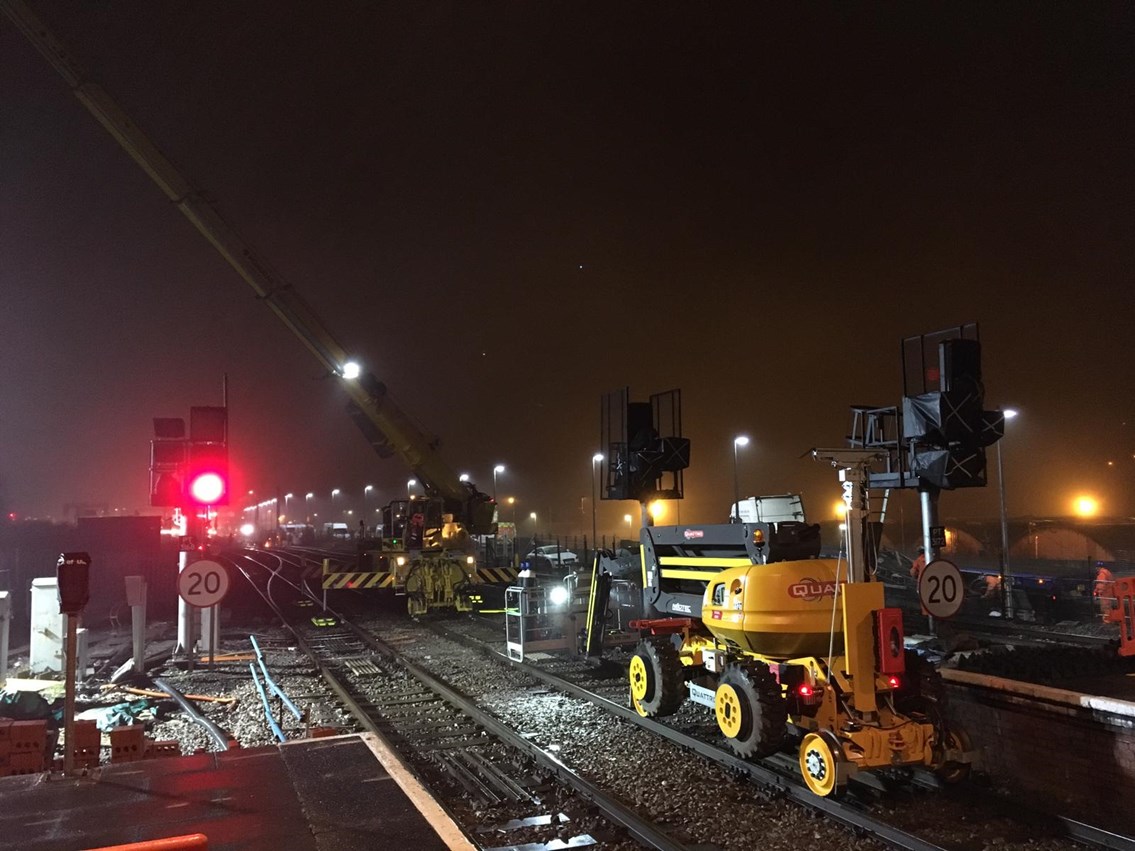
[559,595]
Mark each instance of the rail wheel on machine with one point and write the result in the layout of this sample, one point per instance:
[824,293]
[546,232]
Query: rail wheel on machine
[655,676]
[820,756]
[953,771]
[751,713]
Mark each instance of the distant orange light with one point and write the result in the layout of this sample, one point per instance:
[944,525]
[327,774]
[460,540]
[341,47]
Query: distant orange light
[840,508]
[1086,506]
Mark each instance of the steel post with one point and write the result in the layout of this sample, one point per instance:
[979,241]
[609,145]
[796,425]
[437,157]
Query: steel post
[69,695]
[5,622]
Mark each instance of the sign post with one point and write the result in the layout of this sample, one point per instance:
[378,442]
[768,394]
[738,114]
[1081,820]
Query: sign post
[204,584]
[72,574]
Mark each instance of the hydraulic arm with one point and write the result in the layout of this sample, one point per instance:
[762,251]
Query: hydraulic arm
[386,426]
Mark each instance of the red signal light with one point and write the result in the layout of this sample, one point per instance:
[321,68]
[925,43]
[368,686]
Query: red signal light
[893,681]
[207,482]
[804,690]
[207,488]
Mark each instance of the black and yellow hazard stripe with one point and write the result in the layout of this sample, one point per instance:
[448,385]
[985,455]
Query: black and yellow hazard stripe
[679,567]
[338,581]
[496,574]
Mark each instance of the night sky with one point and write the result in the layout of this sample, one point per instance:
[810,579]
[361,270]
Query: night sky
[507,209]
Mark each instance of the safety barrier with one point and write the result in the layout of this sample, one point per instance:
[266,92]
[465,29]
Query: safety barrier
[1124,614]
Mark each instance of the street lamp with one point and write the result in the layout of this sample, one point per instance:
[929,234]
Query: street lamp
[409,485]
[532,517]
[739,440]
[334,493]
[1006,573]
[498,469]
[512,504]
[464,477]
[595,459]
[287,499]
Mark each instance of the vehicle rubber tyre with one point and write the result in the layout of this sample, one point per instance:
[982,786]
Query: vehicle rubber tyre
[922,691]
[751,712]
[656,678]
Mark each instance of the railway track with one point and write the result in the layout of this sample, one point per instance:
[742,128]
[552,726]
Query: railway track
[493,781]
[443,710]
[779,774]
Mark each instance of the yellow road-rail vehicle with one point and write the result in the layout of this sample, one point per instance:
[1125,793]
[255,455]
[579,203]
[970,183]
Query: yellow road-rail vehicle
[746,620]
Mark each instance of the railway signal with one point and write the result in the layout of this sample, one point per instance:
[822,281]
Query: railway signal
[207,480]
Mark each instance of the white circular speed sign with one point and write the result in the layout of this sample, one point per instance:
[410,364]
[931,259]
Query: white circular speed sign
[203,583]
[940,589]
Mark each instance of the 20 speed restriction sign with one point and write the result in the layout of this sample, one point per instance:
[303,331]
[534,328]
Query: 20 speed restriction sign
[203,583]
[940,589]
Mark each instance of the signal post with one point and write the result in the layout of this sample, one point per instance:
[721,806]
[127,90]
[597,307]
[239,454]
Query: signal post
[191,474]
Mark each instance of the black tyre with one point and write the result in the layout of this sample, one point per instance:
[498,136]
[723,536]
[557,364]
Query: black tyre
[656,678]
[921,691]
[751,713]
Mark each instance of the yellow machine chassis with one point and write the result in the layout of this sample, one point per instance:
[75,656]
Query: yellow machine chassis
[854,725]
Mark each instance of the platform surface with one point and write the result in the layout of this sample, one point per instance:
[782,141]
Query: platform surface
[318,794]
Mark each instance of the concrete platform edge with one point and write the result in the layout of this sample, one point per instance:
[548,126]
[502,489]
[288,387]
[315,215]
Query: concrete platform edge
[446,829]
[1114,706]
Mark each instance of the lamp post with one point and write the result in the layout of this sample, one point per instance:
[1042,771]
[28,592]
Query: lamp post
[334,493]
[512,504]
[307,504]
[1006,573]
[499,468]
[366,493]
[595,459]
[409,486]
[739,440]
[287,499]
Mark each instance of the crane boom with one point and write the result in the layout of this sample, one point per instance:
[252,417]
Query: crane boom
[386,426]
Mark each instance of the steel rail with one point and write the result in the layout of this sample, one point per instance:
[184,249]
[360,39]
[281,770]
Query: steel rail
[638,827]
[641,829]
[1075,830]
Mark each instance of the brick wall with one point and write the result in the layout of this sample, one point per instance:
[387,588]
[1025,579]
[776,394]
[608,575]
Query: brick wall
[1072,755]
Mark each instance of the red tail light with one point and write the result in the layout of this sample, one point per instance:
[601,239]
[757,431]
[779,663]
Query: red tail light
[809,695]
